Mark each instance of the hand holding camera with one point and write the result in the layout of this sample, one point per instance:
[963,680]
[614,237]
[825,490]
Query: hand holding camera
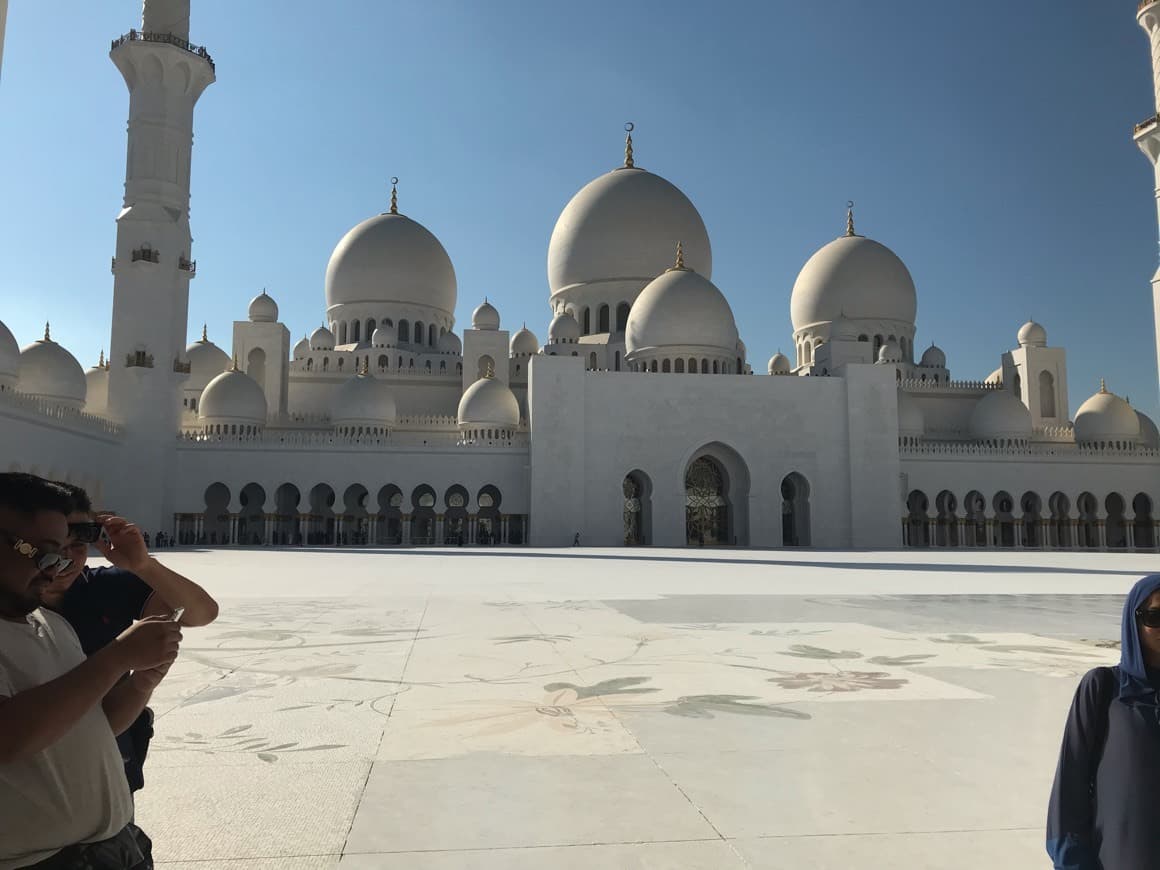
[152,642]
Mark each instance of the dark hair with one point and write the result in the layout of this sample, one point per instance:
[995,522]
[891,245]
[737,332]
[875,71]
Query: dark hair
[81,502]
[28,494]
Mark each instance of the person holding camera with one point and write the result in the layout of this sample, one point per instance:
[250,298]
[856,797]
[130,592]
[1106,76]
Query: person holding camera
[100,603]
[64,801]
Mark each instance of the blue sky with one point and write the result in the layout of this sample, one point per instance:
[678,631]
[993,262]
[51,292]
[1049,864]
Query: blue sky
[987,143]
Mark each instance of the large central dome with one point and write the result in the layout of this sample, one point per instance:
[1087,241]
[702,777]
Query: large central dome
[390,258]
[623,226]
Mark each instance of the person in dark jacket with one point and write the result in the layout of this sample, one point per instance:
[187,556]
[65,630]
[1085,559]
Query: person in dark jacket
[1105,804]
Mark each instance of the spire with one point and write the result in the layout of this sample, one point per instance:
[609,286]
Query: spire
[101,361]
[394,194]
[204,336]
[47,336]
[489,372]
[1103,386]
[850,218]
[365,368]
[628,161]
[680,265]
[235,365]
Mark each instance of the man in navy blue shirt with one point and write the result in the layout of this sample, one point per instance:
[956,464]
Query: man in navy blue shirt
[100,603]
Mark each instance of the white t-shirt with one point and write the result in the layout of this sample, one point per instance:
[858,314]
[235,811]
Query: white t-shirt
[74,791]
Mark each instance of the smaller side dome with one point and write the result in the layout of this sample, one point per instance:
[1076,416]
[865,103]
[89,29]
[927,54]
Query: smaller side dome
[450,344]
[1105,417]
[302,348]
[385,335]
[911,420]
[488,403]
[933,358]
[485,317]
[322,339]
[1032,334]
[996,377]
[9,357]
[525,343]
[97,388]
[1149,434]
[890,352]
[999,414]
[49,372]
[564,329]
[779,364]
[206,362]
[364,400]
[263,309]
[233,397]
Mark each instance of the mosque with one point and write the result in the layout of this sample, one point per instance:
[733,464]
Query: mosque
[637,418]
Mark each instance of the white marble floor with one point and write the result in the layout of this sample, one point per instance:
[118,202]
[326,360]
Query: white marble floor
[432,709]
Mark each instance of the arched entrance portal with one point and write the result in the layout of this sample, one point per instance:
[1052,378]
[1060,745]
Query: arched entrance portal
[795,511]
[637,509]
[706,505]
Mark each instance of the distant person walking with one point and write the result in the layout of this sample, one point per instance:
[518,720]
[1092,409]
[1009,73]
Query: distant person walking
[1105,804]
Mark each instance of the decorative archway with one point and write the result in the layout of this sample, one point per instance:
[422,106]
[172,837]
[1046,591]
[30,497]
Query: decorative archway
[946,528]
[390,519]
[637,489]
[286,524]
[1087,530]
[1004,522]
[252,517]
[1032,507]
[216,518]
[795,511]
[320,522]
[455,518]
[423,515]
[975,507]
[1143,529]
[355,520]
[917,527]
[487,515]
[1059,524]
[707,519]
[1115,526]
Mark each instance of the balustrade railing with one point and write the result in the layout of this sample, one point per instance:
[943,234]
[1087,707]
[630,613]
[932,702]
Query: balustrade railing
[57,413]
[167,39]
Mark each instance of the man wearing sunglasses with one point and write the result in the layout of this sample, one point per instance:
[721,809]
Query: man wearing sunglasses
[64,801]
[100,603]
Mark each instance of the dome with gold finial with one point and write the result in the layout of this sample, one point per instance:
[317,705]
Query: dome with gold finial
[232,398]
[49,372]
[9,358]
[1106,419]
[263,308]
[97,387]
[206,362]
[364,401]
[488,403]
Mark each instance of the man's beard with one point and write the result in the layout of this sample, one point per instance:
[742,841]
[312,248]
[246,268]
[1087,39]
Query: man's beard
[17,604]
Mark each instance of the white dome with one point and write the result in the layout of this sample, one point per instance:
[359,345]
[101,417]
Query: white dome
[890,352]
[9,355]
[853,277]
[233,397]
[97,388]
[302,348]
[364,400]
[999,414]
[934,358]
[779,364]
[525,343]
[623,226]
[563,328]
[681,309]
[48,371]
[1149,434]
[1106,417]
[485,317]
[206,362]
[488,402]
[449,343]
[996,377]
[322,339]
[911,420]
[391,258]
[1031,334]
[263,309]
[385,335]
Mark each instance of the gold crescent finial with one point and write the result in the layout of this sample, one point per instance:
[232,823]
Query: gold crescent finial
[489,371]
[680,256]
[364,368]
[850,218]
[235,366]
[204,335]
[101,361]
[394,194]
[628,161]
[1103,386]
[47,336]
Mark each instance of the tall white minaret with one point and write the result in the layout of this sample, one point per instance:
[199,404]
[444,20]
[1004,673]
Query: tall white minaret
[153,263]
[1147,133]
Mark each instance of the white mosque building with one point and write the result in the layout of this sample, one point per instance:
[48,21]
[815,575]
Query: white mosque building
[636,420]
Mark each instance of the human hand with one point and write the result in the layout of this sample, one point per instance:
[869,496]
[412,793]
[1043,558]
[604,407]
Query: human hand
[145,680]
[125,546]
[150,643]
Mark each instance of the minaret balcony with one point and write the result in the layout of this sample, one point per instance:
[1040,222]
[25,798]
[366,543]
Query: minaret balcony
[139,359]
[182,368]
[1147,137]
[167,39]
[145,255]
[1144,4]
[1148,124]
[187,266]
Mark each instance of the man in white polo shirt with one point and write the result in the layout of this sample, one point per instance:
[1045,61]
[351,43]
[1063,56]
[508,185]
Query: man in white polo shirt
[64,800]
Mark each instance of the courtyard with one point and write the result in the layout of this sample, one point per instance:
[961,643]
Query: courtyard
[644,708]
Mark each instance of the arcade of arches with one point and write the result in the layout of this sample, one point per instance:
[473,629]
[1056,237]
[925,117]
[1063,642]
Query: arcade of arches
[1114,523]
[362,518]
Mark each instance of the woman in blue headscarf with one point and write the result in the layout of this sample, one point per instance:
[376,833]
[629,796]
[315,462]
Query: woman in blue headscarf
[1105,804]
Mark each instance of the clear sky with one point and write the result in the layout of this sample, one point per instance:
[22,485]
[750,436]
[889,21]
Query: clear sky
[988,143]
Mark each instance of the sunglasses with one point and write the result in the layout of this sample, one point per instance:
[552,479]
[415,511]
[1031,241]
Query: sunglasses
[85,533]
[47,561]
[1149,616]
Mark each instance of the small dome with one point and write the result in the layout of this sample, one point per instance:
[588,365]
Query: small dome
[364,400]
[97,388]
[1000,414]
[302,348]
[842,328]
[1149,434]
[1031,334]
[681,309]
[385,335]
[9,357]
[779,364]
[485,317]
[233,397]
[322,339]
[855,277]
[263,309]
[488,402]
[1106,417]
[206,362]
[48,371]
[911,420]
[933,358]
[450,344]
[525,343]
[996,377]
[890,352]
[563,328]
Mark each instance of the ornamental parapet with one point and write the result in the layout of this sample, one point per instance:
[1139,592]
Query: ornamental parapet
[929,449]
[166,39]
[914,385]
[31,406]
[323,440]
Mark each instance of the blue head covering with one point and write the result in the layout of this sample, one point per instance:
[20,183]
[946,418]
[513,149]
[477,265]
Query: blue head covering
[1134,684]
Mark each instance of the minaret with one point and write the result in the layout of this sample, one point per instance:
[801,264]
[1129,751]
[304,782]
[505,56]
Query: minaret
[1147,133]
[153,263]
